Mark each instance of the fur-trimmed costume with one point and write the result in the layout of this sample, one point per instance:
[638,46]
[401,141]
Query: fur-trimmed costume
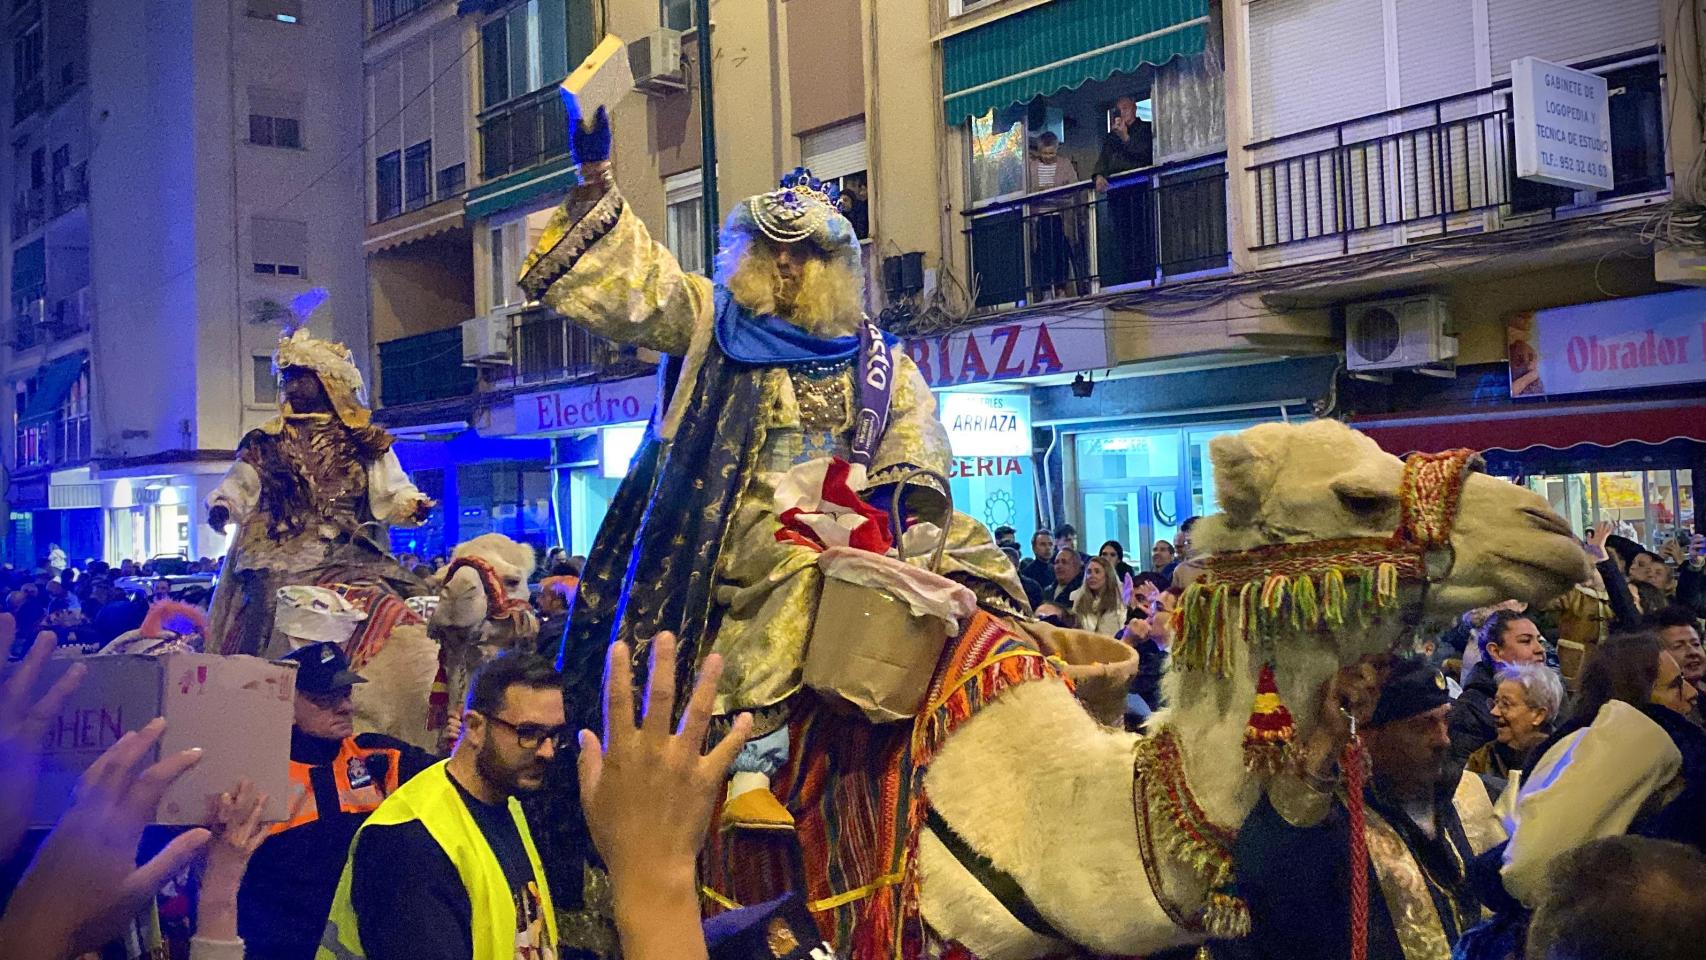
[310,494]
[753,396]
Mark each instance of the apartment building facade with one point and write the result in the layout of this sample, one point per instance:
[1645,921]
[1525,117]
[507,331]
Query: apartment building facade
[201,174]
[1133,225]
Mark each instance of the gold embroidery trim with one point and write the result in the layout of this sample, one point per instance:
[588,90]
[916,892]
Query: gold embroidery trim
[1414,917]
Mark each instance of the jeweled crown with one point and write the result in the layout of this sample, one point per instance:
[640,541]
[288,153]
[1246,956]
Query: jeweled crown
[801,181]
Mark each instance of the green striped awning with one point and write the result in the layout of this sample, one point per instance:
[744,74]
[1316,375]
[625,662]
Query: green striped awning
[516,189]
[1063,44]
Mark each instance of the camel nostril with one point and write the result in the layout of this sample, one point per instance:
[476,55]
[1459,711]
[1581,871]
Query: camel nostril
[1549,522]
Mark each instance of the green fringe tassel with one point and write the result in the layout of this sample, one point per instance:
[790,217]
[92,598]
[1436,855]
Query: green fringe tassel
[1213,617]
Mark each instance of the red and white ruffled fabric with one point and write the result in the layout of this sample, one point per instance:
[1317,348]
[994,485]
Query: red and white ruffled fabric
[818,508]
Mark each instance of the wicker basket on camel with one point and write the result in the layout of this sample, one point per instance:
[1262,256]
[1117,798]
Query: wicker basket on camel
[1100,668]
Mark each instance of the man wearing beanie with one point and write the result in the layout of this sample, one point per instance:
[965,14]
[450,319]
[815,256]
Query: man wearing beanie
[1292,859]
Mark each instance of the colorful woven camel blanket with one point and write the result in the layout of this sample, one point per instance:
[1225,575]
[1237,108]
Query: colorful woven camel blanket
[856,792]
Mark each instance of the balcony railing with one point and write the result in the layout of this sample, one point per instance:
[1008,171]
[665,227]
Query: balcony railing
[27,100]
[1149,226]
[546,348]
[29,211]
[38,322]
[54,440]
[522,133]
[452,181]
[424,367]
[387,12]
[1431,165]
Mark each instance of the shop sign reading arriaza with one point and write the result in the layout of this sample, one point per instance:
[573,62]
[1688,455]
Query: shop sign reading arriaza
[1007,351]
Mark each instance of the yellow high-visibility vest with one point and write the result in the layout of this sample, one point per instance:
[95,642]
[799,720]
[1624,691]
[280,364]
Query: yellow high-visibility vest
[433,800]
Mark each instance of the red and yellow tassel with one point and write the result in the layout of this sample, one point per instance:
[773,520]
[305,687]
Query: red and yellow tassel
[1270,728]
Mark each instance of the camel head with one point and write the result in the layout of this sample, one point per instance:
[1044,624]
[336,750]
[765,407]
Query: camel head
[464,613]
[1295,483]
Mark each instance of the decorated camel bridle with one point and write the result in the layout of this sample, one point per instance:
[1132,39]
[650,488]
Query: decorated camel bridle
[1256,597]
[500,607]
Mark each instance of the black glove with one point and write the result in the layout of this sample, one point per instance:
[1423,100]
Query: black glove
[588,142]
[218,517]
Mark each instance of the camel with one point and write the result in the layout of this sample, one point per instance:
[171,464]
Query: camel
[396,699]
[482,608]
[1046,794]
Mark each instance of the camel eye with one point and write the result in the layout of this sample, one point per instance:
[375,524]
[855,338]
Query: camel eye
[1362,500]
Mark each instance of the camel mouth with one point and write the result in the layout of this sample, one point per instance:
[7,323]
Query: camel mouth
[1563,567]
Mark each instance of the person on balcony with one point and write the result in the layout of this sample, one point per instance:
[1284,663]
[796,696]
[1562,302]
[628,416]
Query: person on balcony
[1128,145]
[1055,234]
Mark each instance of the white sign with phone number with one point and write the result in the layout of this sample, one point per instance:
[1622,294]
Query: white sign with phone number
[1563,125]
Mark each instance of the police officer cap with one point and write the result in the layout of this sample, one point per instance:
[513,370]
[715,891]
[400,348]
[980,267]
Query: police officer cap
[321,668]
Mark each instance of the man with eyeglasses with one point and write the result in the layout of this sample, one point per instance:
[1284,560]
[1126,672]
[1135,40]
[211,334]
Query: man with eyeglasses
[338,779]
[446,868]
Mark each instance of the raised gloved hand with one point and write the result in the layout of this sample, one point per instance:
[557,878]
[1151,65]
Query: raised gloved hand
[218,517]
[589,140]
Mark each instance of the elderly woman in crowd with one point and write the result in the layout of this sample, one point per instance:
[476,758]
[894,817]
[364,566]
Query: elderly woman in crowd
[1627,760]
[1525,709]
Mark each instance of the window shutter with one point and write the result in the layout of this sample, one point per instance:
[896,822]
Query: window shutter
[835,151]
[449,102]
[387,102]
[1568,31]
[1293,86]
[417,101]
[1436,49]
[275,103]
[278,241]
[683,186]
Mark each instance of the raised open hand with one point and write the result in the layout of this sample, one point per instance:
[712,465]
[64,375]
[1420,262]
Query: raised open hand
[84,885]
[1596,541]
[648,792]
[23,722]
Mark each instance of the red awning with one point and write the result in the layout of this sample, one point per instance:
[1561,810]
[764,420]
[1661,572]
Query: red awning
[1558,426]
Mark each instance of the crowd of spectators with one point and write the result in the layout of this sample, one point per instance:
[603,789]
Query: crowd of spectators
[1593,756]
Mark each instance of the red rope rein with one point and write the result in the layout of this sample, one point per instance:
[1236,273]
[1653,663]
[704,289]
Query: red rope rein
[1352,766]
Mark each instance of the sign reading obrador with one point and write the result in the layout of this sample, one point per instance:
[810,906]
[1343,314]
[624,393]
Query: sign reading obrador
[1611,345]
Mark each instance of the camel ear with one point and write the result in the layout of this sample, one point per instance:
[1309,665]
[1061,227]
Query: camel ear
[1240,476]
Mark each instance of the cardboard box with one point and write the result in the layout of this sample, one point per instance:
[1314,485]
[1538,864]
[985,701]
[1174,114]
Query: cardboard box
[238,710]
[602,79]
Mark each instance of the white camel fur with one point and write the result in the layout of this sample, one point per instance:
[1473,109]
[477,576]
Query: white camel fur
[1035,785]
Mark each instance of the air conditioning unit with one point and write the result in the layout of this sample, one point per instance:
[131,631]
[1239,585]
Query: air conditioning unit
[655,60]
[486,339]
[1398,333]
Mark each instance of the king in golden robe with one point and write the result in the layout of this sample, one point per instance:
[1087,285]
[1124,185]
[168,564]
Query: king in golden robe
[769,365]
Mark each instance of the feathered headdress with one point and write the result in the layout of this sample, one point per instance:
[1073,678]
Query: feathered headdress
[330,361]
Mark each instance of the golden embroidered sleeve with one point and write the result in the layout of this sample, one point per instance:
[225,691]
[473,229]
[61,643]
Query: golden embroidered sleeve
[914,436]
[597,265]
